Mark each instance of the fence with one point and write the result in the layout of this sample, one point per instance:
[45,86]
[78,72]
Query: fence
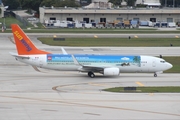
[23,20]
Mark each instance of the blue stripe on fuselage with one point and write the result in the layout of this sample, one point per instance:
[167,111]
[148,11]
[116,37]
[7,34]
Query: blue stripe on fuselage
[92,58]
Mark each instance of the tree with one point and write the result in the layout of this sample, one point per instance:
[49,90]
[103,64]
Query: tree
[170,3]
[48,3]
[31,4]
[68,3]
[115,2]
[130,2]
[35,4]
[13,4]
[59,3]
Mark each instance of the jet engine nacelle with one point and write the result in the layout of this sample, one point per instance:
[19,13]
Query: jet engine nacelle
[111,71]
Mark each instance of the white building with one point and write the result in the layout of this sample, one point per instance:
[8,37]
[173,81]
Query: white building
[109,15]
[106,4]
[99,4]
[101,11]
[149,2]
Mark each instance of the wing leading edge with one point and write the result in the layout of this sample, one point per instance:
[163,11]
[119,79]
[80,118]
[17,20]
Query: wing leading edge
[86,67]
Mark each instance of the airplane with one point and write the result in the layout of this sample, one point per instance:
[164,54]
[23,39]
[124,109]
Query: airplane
[107,65]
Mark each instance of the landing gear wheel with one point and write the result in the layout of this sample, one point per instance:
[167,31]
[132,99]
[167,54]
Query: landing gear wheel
[155,75]
[91,74]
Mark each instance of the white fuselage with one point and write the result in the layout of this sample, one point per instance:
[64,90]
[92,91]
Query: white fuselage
[144,64]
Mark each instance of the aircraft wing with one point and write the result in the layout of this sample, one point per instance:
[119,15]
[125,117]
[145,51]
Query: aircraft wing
[92,68]
[18,56]
[88,67]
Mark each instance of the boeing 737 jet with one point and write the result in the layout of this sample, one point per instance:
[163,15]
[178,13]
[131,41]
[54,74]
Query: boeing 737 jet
[107,65]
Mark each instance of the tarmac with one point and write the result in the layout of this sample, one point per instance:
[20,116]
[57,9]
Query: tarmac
[26,94]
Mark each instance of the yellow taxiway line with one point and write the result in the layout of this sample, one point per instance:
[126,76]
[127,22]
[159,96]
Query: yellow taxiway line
[140,84]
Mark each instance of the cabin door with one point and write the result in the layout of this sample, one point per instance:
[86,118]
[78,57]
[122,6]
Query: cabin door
[40,62]
[154,63]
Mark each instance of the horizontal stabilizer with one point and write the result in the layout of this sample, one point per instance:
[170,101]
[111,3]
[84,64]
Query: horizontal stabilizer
[18,56]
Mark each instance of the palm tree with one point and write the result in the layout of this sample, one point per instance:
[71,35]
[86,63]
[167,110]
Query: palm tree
[137,60]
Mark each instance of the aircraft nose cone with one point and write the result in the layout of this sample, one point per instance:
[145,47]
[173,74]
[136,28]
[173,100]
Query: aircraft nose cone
[169,66]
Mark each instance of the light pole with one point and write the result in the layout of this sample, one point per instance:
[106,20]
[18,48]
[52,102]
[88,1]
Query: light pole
[165,3]
[4,23]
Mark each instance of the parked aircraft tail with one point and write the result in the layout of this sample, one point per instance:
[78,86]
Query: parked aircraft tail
[24,45]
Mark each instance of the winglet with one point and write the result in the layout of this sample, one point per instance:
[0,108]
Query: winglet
[23,43]
[75,61]
[64,51]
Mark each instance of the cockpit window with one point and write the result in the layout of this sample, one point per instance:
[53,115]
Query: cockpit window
[162,61]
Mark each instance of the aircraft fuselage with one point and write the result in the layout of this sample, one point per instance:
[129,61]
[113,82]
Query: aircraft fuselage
[145,64]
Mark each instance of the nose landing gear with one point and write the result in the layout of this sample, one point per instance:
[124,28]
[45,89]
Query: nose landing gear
[155,75]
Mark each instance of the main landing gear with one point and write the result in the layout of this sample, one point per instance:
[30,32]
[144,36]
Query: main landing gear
[91,74]
[155,75]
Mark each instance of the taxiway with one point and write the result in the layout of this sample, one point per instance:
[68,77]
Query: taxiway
[52,95]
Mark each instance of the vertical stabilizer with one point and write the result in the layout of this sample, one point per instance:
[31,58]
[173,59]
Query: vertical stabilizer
[23,44]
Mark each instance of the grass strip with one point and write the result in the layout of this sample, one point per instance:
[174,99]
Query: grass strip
[115,42]
[11,20]
[164,89]
[175,61]
[95,31]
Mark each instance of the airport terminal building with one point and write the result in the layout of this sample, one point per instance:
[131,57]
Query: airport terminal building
[109,15]
[105,12]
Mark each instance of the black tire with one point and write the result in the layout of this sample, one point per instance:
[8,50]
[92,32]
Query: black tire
[91,74]
[155,75]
